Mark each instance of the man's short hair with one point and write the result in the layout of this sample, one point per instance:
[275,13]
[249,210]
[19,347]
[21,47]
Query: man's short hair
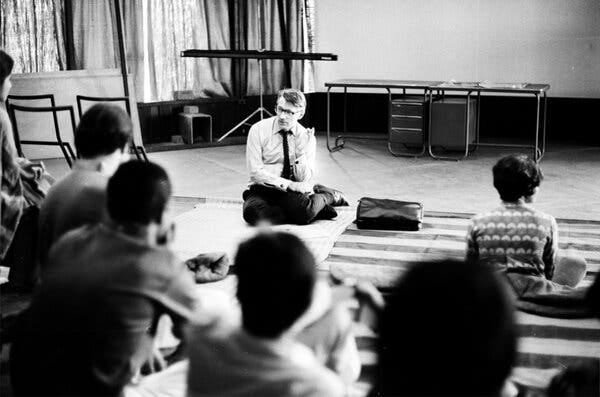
[516,176]
[276,276]
[293,96]
[452,319]
[6,66]
[103,129]
[138,193]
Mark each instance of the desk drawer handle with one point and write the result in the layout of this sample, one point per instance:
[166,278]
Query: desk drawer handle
[407,103]
[402,116]
[407,129]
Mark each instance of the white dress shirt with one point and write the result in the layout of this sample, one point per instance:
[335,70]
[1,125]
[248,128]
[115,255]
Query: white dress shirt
[264,154]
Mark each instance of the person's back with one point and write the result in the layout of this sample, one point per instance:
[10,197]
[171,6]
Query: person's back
[101,140]
[515,237]
[276,278]
[228,361]
[77,199]
[92,321]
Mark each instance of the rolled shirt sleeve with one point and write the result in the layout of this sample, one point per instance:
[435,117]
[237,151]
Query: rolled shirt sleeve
[304,164]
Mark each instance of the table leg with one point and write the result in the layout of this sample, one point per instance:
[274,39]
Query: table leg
[536,154]
[468,116]
[477,125]
[545,116]
[429,110]
[345,104]
[328,120]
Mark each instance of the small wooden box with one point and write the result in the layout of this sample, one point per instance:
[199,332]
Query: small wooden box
[195,127]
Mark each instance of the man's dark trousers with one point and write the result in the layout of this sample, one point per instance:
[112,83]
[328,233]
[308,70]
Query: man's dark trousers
[279,207]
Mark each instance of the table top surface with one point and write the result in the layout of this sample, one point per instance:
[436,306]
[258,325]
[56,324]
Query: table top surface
[382,83]
[443,85]
[493,87]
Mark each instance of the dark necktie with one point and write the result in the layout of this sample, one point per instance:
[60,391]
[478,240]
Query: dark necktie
[287,167]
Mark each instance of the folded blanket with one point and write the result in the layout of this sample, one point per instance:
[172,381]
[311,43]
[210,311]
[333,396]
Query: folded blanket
[543,297]
[209,267]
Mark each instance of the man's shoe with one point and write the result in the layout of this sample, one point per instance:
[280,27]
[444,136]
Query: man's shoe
[338,197]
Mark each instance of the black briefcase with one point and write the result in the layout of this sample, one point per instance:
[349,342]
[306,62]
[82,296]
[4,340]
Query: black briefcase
[373,213]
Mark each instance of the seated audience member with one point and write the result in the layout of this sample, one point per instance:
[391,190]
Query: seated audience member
[11,188]
[515,237]
[262,357]
[447,330]
[101,139]
[91,324]
[23,186]
[577,381]
[280,157]
[582,379]
[593,297]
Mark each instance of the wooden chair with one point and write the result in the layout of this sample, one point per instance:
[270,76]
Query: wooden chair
[138,150]
[14,110]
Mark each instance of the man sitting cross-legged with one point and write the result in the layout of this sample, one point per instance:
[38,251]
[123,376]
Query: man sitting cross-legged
[91,324]
[263,356]
[280,156]
[101,140]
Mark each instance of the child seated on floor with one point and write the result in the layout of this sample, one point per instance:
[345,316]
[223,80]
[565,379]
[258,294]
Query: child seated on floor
[290,342]
[447,330]
[515,237]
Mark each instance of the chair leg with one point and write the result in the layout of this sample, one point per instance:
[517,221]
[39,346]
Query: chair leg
[143,152]
[135,151]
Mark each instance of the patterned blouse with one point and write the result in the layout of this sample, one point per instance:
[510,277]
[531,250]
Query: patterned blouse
[515,238]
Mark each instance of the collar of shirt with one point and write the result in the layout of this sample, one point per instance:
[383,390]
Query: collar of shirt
[275,129]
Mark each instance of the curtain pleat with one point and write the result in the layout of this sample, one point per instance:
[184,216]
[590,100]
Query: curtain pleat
[95,37]
[178,25]
[260,28]
[32,33]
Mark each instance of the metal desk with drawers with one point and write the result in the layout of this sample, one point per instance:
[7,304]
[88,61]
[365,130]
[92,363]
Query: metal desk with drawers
[410,118]
[411,114]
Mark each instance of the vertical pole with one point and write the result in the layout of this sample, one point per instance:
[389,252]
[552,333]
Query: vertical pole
[121,43]
[536,153]
[260,97]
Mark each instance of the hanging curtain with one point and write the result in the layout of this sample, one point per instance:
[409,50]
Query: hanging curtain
[178,25]
[309,44]
[33,34]
[271,25]
[95,37]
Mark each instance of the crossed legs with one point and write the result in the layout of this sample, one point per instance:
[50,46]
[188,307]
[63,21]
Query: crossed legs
[277,207]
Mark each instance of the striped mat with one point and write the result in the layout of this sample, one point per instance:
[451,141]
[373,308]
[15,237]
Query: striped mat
[546,345]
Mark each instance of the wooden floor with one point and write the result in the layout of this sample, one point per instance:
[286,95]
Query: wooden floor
[571,188]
